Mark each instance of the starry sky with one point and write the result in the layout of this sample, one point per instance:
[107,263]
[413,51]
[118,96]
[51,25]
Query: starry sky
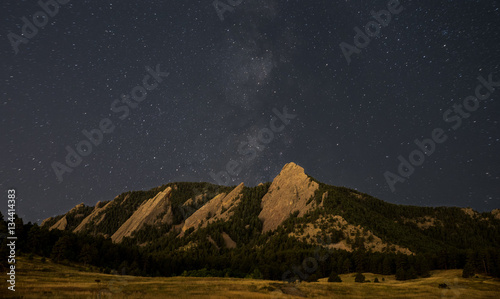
[226,81]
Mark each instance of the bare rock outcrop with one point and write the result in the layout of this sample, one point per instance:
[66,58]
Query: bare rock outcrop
[312,233]
[470,212]
[76,208]
[289,192]
[147,213]
[218,208]
[496,213]
[61,224]
[228,241]
[45,221]
[99,211]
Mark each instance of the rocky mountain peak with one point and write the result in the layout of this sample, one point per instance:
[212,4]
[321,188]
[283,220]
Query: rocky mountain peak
[289,192]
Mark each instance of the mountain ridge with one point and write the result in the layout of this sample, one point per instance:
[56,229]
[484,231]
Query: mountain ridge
[293,196]
[238,230]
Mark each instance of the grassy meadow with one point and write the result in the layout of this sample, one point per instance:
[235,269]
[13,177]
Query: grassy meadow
[38,280]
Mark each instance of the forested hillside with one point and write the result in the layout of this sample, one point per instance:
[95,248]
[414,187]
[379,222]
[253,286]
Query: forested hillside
[333,231]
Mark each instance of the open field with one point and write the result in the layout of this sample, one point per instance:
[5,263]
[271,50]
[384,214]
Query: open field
[36,280]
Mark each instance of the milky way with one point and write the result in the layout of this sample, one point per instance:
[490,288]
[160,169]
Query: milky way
[353,120]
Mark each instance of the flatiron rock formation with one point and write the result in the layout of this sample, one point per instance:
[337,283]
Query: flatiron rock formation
[289,192]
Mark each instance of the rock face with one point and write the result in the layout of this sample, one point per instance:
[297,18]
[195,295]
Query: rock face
[289,192]
[423,222]
[44,222]
[228,241]
[98,211]
[76,208]
[470,212]
[147,213]
[61,224]
[217,208]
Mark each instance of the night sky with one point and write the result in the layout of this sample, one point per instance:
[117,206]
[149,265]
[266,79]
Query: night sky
[227,82]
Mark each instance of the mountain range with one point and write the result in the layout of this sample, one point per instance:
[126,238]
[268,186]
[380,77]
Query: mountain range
[268,228]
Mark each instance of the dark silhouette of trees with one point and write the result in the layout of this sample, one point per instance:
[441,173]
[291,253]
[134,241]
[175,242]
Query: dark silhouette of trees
[334,277]
[359,278]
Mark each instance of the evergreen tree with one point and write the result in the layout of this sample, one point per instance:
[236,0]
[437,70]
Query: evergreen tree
[359,278]
[313,277]
[256,274]
[400,274]
[411,273]
[62,249]
[423,269]
[468,270]
[88,254]
[334,277]
[386,266]
[359,261]
[347,266]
